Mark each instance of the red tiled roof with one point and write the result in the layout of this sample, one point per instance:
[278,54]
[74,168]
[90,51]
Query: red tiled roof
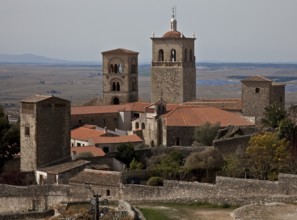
[137,106]
[84,110]
[83,133]
[120,51]
[117,139]
[196,116]
[226,104]
[96,151]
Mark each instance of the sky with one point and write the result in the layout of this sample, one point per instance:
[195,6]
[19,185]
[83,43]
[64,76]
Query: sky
[79,30]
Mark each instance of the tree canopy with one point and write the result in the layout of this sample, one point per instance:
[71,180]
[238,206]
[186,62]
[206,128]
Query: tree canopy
[206,133]
[273,115]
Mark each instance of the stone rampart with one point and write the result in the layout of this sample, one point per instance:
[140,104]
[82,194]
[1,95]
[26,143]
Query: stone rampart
[31,198]
[233,191]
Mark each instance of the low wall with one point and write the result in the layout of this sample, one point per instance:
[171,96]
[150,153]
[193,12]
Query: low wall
[31,198]
[233,191]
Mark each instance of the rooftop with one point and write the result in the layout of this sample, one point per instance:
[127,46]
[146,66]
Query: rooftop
[116,140]
[190,116]
[120,51]
[84,134]
[256,78]
[98,177]
[39,98]
[95,151]
[64,167]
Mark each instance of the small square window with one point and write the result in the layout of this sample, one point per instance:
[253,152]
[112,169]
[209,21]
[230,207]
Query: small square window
[27,130]
[257,90]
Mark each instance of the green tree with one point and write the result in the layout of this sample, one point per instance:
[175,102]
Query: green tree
[287,129]
[206,133]
[125,153]
[273,115]
[208,159]
[9,139]
[267,155]
[135,165]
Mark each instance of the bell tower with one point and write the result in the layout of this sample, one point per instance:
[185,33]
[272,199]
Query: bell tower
[120,76]
[173,71]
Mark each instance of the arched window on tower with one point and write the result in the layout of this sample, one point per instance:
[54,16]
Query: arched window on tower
[191,56]
[116,68]
[173,55]
[120,68]
[114,86]
[161,55]
[186,55]
[118,86]
[110,68]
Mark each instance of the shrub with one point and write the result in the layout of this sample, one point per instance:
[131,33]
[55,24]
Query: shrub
[155,181]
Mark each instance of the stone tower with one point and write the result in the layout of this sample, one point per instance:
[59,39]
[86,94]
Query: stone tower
[120,76]
[259,92]
[44,131]
[173,71]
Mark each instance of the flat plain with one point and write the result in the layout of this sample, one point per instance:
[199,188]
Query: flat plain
[80,84]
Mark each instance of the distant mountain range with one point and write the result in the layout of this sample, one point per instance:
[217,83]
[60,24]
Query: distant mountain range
[35,59]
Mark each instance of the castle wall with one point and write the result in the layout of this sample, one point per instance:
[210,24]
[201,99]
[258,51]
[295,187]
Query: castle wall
[231,145]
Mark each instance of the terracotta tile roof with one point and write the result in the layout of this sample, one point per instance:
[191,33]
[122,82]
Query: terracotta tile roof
[98,177]
[256,78]
[117,139]
[64,167]
[96,151]
[197,116]
[120,51]
[85,110]
[226,104]
[84,134]
[137,106]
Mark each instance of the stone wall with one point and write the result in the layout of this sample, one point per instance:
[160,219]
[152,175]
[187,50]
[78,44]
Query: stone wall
[226,190]
[35,198]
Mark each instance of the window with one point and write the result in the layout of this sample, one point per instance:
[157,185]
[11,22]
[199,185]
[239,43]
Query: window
[27,130]
[152,143]
[191,56]
[173,55]
[136,125]
[106,149]
[116,101]
[111,68]
[142,126]
[257,90]
[78,144]
[116,68]
[108,192]
[79,122]
[114,86]
[161,55]
[120,68]
[118,86]
[186,55]
[177,141]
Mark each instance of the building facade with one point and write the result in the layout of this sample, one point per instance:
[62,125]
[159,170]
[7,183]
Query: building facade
[120,76]
[44,131]
[259,92]
[173,71]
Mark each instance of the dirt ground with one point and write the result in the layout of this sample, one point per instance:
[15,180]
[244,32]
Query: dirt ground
[184,212]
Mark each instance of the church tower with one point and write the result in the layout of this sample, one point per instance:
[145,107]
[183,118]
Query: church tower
[120,76]
[173,71]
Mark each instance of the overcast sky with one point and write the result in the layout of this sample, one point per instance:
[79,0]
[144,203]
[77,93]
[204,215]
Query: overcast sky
[226,30]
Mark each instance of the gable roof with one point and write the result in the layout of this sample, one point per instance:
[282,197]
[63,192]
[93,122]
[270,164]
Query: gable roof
[98,177]
[84,133]
[64,167]
[116,140]
[192,116]
[95,151]
[120,51]
[257,79]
